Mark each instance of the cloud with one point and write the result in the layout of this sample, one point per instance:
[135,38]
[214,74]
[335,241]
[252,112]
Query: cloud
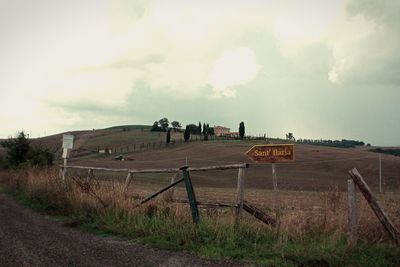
[365,49]
[235,67]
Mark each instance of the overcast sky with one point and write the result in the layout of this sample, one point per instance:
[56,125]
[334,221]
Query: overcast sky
[319,69]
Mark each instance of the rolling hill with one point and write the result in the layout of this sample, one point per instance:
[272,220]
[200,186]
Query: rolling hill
[315,167]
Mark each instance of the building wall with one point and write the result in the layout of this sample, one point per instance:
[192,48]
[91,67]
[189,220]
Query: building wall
[221,131]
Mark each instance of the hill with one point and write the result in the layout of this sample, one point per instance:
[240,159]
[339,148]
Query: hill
[315,167]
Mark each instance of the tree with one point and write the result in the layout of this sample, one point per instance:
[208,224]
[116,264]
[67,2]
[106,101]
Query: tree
[164,123]
[19,152]
[204,129]
[17,149]
[176,125]
[193,129]
[290,137]
[186,134]
[241,130]
[155,127]
[211,131]
[168,136]
[199,128]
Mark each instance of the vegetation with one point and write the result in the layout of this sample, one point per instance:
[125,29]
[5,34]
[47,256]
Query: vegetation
[299,240]
[332,143]
[186,134]
[290,137]
[161,125]
[168,136]
[193,129]
[241,130]
[21,153]
[176,125]
[130,127]
[389,151]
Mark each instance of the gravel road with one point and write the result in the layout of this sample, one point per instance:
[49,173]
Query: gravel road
[31,239]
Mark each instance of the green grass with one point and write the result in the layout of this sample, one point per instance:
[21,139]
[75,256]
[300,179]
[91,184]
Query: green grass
[130,127]
[216,240]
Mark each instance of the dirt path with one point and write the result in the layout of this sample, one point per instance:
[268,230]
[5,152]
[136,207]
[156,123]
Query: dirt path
[30,239]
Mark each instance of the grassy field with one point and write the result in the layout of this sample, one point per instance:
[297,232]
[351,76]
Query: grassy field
[315,168]
[311,229]
[310,207]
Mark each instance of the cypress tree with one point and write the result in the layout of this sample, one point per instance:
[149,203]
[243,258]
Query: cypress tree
[168,136]
[186,134]
[241,130]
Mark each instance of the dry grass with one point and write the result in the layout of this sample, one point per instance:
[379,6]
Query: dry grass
[299,214]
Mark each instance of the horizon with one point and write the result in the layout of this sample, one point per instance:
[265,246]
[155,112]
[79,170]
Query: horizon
[319,69]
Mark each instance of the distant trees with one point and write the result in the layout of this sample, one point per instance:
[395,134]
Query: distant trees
[176,125]
[186,134]
[193,129]
[344,143]
[290,137]
[241,130]
[156,127]
[164,123]
[199,128]
[20,152]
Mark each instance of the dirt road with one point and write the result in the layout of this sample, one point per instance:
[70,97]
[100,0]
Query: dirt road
[31,239]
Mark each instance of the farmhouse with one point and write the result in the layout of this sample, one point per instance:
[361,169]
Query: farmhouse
[221,130]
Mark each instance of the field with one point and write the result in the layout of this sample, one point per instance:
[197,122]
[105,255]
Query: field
[310,206]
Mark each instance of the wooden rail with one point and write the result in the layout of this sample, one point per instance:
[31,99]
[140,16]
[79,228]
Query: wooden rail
[167,170]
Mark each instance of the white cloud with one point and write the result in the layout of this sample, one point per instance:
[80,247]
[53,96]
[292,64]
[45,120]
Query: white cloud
[235,67]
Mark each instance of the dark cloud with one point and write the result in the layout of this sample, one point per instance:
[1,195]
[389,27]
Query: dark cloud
[375,58]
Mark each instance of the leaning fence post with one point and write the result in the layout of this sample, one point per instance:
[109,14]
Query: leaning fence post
[374,204]
[352,203]
[191,194]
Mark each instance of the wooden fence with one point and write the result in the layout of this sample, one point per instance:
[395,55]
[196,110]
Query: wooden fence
[240,205]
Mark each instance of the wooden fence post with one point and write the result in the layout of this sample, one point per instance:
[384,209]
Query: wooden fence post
[191,195]
[64,170]
[239,197]
[374,204]
[175,176]
[274,178]
[90,175]
[127,183]
[352,204]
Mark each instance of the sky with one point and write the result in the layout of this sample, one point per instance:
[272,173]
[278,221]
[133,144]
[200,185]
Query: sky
[318,69]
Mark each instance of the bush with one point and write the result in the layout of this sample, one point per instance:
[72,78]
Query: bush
[20,153]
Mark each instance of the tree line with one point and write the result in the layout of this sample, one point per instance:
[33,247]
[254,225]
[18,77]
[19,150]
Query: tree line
[163,125]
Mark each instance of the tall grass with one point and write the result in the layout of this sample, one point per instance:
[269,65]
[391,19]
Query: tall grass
[313,236]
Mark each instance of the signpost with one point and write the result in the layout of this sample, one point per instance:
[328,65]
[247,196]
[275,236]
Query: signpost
[68,142]
[271,154]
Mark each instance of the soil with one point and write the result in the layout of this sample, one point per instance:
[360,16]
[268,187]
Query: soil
[31,239]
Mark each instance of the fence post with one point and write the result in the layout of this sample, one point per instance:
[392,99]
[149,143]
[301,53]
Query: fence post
[352,203]
[374,204]
[191,194]
[64,170]
[240,196]
[127,183]
[175,176]
[90,175]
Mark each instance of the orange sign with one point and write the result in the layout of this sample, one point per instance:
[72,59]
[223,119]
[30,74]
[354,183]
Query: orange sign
[271,153]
